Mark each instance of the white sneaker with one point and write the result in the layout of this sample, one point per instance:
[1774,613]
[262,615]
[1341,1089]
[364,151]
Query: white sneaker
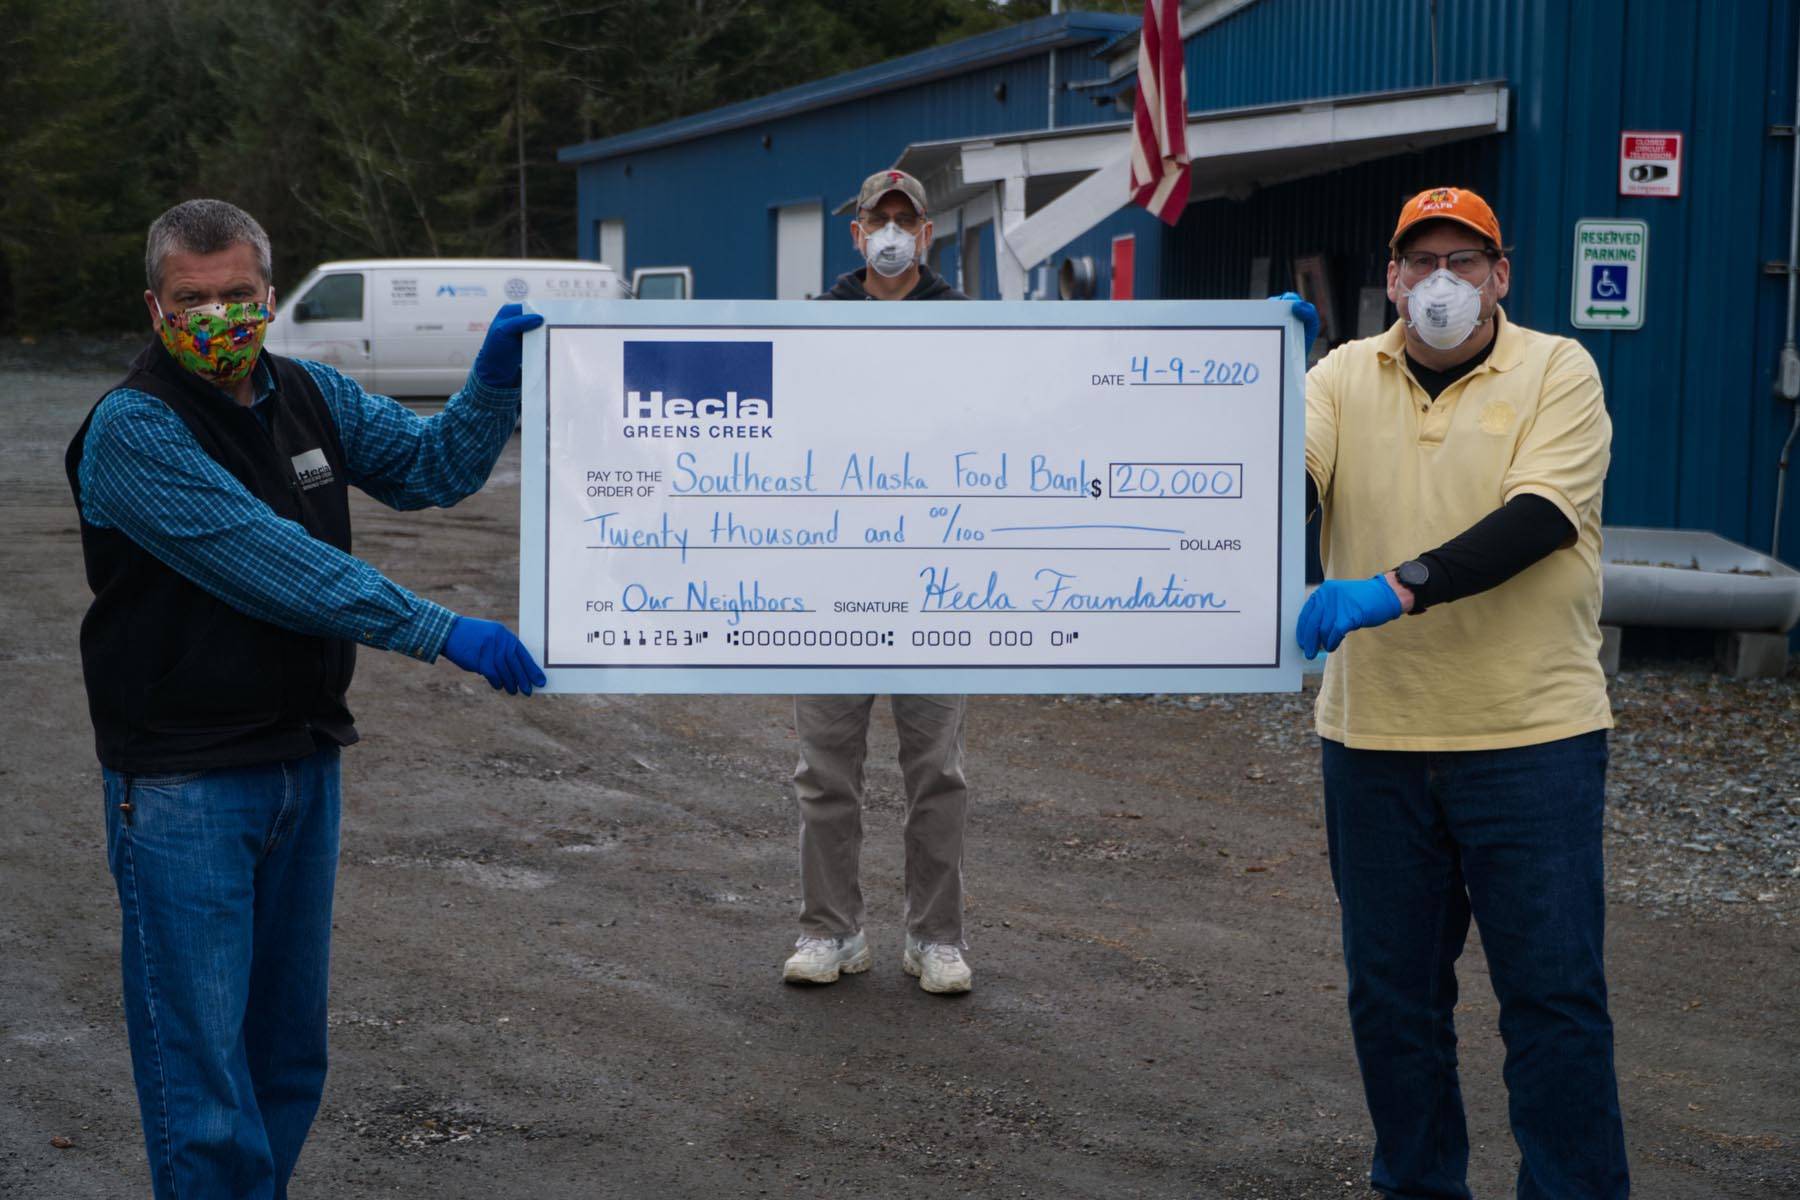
[939,966]
[822,959]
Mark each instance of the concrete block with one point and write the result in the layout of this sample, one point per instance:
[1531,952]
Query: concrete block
[1753,655]
[1610,637]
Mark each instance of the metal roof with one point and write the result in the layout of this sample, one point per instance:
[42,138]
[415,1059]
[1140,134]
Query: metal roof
[1197,16]
[1002,45]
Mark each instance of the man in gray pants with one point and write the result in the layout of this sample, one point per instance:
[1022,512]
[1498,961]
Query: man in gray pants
[892,232]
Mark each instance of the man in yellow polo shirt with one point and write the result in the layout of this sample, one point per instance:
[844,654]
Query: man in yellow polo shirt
[1456,464]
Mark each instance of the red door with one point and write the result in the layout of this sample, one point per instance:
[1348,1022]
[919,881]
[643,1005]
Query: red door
[1124,266]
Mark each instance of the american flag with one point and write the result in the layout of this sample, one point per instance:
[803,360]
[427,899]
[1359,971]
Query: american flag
[1159,157]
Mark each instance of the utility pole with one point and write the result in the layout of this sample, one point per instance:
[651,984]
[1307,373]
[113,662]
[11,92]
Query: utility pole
[519,132]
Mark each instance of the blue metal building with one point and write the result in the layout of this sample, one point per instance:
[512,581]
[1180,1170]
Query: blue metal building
[1310,122]
[727,193]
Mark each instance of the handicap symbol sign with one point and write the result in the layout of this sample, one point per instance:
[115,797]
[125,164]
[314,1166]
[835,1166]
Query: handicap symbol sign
[1610,282]
[1610,278]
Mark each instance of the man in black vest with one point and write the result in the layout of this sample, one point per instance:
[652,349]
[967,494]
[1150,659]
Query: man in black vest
[212,485]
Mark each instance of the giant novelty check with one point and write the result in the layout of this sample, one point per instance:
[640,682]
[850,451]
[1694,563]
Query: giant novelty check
[988,497]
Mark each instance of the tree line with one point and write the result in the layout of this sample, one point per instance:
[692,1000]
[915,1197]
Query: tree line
[370,127]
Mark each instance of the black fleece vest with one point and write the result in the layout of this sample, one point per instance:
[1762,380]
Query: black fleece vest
[178,680]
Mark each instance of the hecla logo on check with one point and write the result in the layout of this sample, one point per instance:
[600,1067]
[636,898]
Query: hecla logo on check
[699,381]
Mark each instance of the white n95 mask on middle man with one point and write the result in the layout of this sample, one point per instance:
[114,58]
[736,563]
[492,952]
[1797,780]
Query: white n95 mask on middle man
[890,250]
[1444,310]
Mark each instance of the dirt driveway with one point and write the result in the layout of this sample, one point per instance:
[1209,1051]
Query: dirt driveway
[559,923]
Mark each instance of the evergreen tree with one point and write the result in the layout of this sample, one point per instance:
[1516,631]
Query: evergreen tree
[69,217]
[371,127]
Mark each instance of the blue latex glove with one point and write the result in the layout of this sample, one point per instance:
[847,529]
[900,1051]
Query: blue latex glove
[497,365]
[489,648]
[1340,605]
[1309,319]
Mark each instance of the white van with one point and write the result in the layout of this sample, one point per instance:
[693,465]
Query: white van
[411,326]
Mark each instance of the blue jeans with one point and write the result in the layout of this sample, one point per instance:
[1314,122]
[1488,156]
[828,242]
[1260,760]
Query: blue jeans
[225,882]
[1419,842]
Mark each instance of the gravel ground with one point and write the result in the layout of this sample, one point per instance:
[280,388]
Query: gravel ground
[1703,783]
[559,924]
[1704,792]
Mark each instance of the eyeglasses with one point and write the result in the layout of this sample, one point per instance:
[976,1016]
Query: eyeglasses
[874,221]
[1472,265]
[233,308]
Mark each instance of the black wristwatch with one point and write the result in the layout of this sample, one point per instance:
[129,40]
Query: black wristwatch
[1414,575]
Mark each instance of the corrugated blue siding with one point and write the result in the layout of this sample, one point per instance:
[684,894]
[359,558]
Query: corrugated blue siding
[1696,427]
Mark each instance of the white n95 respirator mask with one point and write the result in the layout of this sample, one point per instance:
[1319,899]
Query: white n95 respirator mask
[890,250]
[1443,310]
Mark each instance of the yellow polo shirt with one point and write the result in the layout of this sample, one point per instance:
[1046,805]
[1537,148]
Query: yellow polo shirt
[1399,474]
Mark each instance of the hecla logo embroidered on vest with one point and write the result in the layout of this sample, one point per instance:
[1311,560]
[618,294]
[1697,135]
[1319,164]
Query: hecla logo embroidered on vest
[1497,418]
[312,470]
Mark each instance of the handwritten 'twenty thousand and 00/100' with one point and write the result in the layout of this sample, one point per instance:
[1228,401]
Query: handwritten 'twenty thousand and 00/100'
[970,474]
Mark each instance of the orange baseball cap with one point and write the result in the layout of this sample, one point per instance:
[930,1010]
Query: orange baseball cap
[1448,204]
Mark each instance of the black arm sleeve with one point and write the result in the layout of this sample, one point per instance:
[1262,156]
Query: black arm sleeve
[1493,550]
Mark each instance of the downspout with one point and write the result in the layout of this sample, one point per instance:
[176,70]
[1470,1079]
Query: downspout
[960,230]
[1434,43]
[1050,108]
[1787,372]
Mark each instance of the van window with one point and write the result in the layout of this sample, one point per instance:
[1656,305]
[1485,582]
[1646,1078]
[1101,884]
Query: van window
[333,298]
[663,283]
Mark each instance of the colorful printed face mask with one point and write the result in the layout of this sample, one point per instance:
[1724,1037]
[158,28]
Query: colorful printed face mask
[218,342]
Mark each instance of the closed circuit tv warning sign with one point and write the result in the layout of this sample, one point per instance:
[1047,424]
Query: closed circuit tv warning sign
[1649,164]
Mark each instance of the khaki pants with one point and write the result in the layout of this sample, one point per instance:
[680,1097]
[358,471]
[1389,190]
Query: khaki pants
[834,741]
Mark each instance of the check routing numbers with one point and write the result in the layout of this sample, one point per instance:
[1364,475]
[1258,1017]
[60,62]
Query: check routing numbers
[802,497]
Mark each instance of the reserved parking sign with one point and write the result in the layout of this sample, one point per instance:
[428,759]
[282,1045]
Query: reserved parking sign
[1610,258]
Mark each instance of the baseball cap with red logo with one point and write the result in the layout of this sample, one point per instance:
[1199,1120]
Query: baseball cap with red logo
[1448,204]
[882,182]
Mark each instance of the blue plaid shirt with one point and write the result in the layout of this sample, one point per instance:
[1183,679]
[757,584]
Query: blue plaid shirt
[143,474]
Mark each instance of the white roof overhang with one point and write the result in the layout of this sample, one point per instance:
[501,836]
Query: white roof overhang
[1047,188]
